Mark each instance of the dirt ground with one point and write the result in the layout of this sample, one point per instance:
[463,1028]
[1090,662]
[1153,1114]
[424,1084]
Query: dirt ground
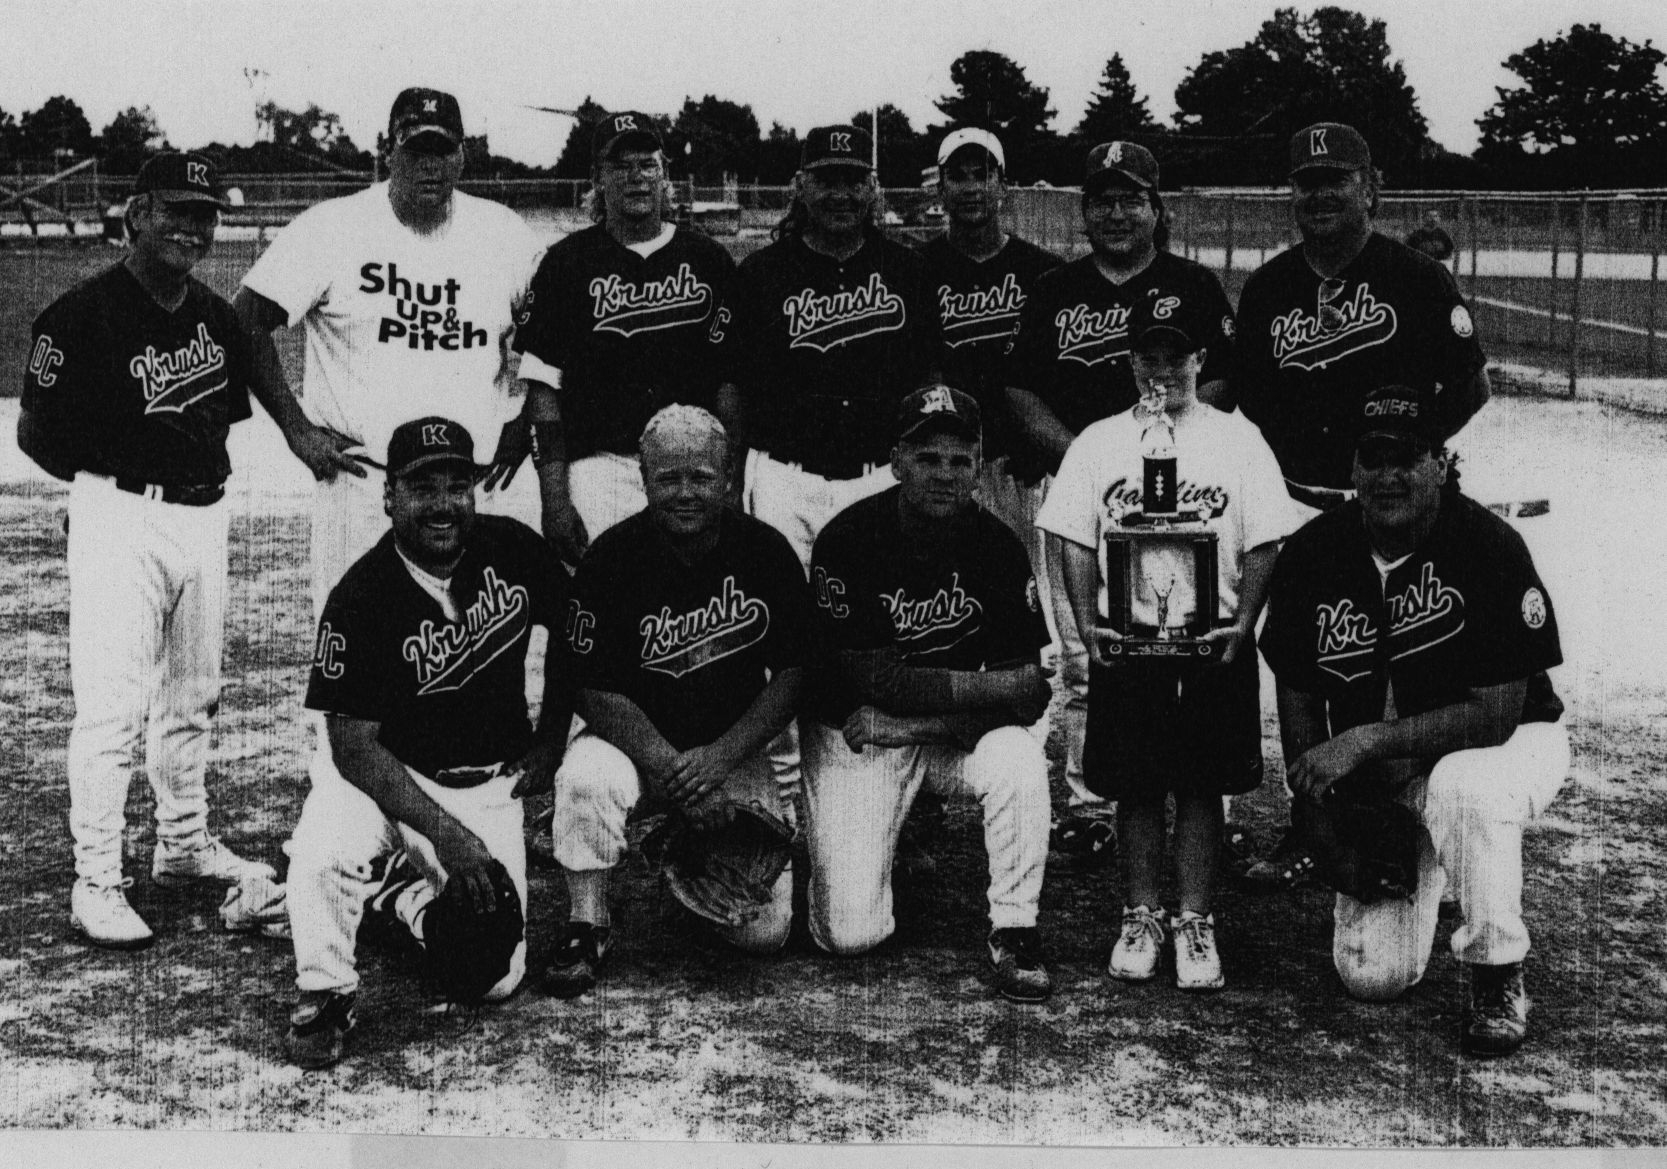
[685,1040]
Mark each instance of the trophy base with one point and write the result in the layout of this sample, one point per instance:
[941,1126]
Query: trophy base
[1144,520]
[1144,642]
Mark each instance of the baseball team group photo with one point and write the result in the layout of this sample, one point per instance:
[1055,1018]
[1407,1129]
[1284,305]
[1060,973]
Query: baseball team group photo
[1164,653]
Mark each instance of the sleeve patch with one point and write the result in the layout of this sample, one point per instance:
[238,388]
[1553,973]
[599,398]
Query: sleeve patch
[1461,322]
[1533,608]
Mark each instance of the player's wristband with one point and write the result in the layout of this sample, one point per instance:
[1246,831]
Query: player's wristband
[549,445]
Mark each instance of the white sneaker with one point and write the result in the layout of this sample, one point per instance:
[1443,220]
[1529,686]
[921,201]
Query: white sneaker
[211,860]
[1197,965]
[1135,956]
[102,913]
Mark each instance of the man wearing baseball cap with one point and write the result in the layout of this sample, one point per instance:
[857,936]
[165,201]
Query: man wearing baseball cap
[1346,309]
[616,332]
[1410,636]
[419,676]
[1068,367]
[929,628]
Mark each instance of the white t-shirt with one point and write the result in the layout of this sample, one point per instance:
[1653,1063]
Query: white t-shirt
[1223,466]
[402,325]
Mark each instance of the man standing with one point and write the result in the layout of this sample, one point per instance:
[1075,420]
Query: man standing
[1410,636]
[926,676]
[418,673]
[616,330]
[134,379]
[689,637]
[1068,366]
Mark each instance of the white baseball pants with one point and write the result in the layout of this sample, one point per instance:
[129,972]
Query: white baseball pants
[147,585]
[343,831]
[597,787]
[855,804]
[1073,671]
[1473,804]
[605,488]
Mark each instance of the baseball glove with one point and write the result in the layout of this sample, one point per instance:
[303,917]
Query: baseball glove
[256,904]
[1367,846]
[468,952]
[726,874]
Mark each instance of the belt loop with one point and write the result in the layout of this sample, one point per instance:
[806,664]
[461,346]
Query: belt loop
[153,492]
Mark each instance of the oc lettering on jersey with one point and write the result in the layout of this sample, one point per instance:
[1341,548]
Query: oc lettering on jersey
[626,308]
[681,643]
[981,314]
[935,622]
[1300,341]
[1424,614]
[1091,336]
[447,656]
[424,314]
[171,381]
[826,320]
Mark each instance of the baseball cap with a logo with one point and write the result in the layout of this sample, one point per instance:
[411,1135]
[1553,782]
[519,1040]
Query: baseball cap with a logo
[971,137]
[627,127]
[419,111]
[939,407]
[427,441]
[1167,316]
[836,146]
[1329,144]
[1120,162]
[1399,414]
[174,177]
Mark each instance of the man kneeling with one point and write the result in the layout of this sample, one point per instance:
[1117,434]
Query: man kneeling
[688,636]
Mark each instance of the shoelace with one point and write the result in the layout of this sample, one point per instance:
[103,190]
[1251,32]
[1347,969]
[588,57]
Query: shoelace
[1194,930]
[1145,923]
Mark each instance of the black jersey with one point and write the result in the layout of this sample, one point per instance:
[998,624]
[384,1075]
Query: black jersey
[1310,349]
[979,302]
[446,693]
[1072,346]
[822,350]
[691,644]
[119,385]
[628,333]
[968,604]
[1466,609]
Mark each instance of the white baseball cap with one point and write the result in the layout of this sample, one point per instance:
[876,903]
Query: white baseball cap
[971,136]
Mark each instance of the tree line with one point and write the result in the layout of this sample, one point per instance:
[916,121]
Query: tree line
[1590,110]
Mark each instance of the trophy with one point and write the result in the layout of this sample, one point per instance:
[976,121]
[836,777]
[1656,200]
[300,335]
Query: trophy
[1159,558]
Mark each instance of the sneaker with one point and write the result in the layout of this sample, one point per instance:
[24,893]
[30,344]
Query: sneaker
[1497,1021]
[1016,957]
[1197,965]
[102,914]
[1289,866]
[579,954]
[1135,956]
[1084,842]
[318,1028]
[211,861]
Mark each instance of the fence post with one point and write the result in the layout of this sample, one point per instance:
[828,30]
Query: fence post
[1190,202]
[1556,249]
[1475,242]
[1655,272]
[1227,262]
[1574,304]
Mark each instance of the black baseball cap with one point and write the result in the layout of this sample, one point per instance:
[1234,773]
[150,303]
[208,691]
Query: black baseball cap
[175,177]
[1330,146]
[1399,414]
[429,440]
[836,146]
[1167,315]
[1120,162]
[419,111]
[626,126]
[939,407]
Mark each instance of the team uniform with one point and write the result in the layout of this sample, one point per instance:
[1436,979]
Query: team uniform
[692,645]
[968,605]
[1072,351]
[822,351]
[439,665]
[1309,349]
[1384,640]
[979,302]
[133,403]
[1193,727]
[621,331]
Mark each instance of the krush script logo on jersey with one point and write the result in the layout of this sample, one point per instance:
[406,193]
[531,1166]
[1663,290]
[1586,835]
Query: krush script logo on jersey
[822,321]
[172,381]
[1091,336]
[1300,341]
[981,314]
[626,308]
[425,314]
[1424,614]
[933,623]
[447,656]
[682,643]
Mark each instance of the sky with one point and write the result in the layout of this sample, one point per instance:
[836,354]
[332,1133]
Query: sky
[203,65]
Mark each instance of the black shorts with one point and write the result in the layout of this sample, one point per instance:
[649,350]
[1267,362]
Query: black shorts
[1159,726]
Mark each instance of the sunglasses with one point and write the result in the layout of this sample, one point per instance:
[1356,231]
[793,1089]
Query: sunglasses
[1331,317]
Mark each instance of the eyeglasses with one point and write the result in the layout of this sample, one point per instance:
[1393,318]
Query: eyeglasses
[648,167]
[1331,317]
[1127,204]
